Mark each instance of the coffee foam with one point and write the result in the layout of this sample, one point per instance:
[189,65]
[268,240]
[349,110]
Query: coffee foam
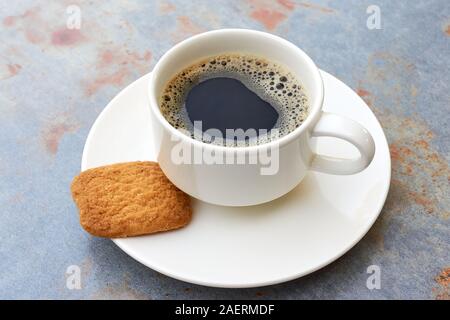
[270,81]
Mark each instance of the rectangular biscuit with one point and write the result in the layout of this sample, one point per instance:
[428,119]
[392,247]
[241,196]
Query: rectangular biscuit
[129,199]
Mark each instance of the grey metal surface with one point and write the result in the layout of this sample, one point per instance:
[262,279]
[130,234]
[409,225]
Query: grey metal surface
[54,82]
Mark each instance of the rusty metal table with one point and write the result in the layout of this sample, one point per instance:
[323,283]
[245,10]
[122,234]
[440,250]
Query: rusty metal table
[62,61]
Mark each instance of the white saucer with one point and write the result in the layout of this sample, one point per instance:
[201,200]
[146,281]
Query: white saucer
[305,230]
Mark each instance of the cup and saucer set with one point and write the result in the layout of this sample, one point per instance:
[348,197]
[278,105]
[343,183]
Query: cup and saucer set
[249,229]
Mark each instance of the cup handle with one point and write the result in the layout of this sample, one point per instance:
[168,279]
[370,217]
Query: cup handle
[333,125]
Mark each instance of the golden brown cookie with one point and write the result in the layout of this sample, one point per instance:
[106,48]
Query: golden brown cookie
[129,199]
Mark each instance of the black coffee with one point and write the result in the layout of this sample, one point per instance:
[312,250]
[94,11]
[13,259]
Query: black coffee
[234,91]
[226,103]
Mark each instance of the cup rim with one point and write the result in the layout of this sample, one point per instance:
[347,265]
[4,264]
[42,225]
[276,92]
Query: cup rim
[314,111]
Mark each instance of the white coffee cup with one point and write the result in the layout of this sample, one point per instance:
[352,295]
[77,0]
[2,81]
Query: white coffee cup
[246,183]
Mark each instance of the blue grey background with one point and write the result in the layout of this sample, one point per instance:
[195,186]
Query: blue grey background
[54,82]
